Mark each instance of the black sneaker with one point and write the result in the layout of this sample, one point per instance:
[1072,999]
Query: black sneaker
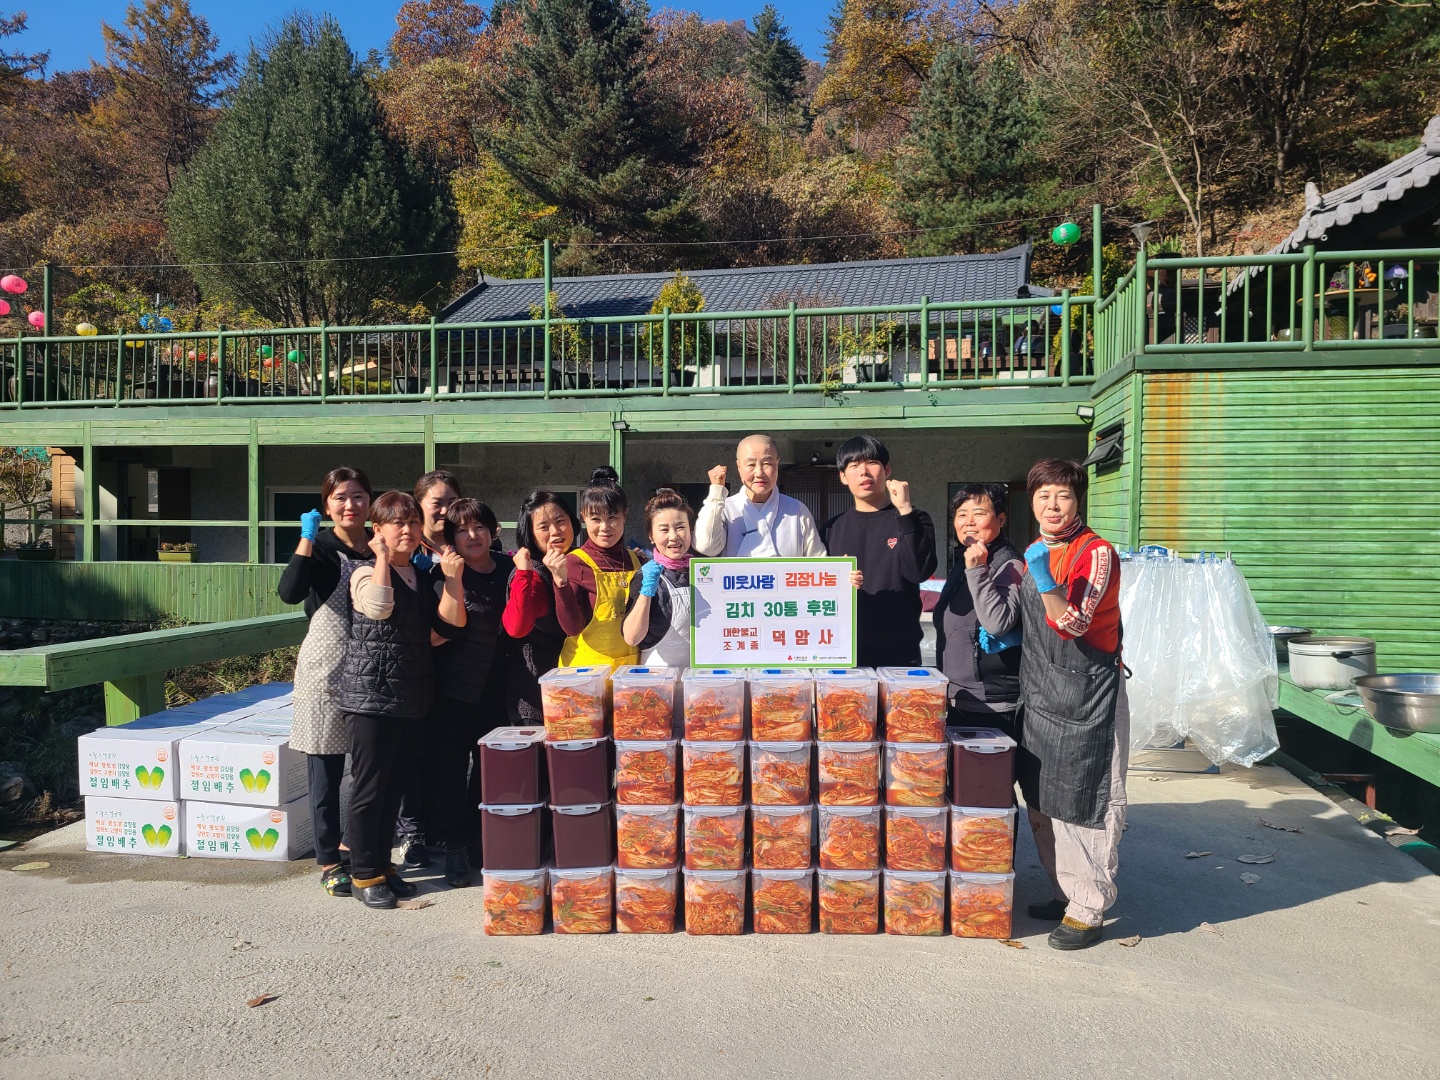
[399,887]
[414,853]
[1070,935]
[457,868]
[1049,911]
[336,880]
[376,896]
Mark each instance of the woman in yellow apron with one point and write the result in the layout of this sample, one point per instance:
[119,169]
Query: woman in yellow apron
[592,583]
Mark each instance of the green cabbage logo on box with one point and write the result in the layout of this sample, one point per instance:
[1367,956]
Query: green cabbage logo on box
[265,842]
[150,778]
[156,838]
[256,782]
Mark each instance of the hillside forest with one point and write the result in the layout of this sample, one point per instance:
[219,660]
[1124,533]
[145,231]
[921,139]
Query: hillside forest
[299,182]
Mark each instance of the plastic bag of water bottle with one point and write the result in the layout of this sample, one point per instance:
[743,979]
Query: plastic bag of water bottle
[1201,657]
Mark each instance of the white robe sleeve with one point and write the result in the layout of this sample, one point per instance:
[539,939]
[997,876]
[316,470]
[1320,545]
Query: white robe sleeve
[710,529]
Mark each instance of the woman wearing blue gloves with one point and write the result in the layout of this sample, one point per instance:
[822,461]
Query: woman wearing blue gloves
[318,728]
[657,617]
[977,618]
[1075,718]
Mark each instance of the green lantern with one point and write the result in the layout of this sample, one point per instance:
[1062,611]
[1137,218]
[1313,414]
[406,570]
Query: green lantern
[1065,234]
[266,352]
[294,356]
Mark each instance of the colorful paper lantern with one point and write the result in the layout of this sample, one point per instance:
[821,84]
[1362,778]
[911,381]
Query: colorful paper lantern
[1065,234]
[295,356]
[1057,309]
[36,319]
[86,329]
[13,283]
[266,352]
[4,308]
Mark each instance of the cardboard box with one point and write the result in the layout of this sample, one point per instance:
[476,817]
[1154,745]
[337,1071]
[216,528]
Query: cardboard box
[262,724]
[225,831]
[131,763]
[241,767]
[132,826]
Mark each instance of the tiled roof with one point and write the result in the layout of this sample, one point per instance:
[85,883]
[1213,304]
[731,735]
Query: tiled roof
[1001,276]
[1387,184]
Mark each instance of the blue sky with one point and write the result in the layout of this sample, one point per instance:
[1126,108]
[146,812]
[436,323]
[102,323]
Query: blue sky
[70,29]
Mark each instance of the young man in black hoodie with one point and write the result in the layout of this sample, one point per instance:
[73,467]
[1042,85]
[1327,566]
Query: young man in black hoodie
[893,545]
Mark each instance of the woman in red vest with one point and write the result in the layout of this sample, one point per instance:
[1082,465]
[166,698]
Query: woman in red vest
[1075,720]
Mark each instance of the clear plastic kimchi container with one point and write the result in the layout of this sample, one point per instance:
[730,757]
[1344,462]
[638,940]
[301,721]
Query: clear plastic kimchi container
[714,837]
[914,703]
[850,837]
[846,704]
[647,837]
[781,837]
[643,701]
[647,772]
[981,905]
[514,902]
[713,773]
[915,773]
[780,773]
[782,900]
[582,900]
[573,702]
[714,902]
[849,773]
[915,903]
[848,901]
[982,840]
[645,901]
[714,704]
[782,703]
[915,837]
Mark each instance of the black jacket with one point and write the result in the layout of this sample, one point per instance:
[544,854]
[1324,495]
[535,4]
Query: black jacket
[310,579]
[464,663]
[389,666]
[977,678]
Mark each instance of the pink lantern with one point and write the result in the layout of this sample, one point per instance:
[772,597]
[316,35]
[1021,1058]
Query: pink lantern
[13,283]
[36,319]
[4,308]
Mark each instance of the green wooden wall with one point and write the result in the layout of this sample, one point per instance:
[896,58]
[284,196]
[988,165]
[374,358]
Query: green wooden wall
[126,591]
[1107,508]
[1321,484]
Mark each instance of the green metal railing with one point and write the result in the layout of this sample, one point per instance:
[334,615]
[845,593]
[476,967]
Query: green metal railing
[926,344]
[1298,302]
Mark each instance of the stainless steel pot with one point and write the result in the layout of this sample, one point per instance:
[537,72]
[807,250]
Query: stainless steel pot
[1330,663]
[1283,635]
[1402,702]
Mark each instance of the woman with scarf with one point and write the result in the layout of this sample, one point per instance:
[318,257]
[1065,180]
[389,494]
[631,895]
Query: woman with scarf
[592,582]
[1075,718]
[657,617]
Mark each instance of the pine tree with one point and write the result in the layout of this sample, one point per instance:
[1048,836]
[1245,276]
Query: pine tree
[774,63]
[302,168]
[971,139]
[586,136]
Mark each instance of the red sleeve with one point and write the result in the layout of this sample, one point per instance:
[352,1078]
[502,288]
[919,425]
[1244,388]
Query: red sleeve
[575,600]
[1089,578]
[529,599]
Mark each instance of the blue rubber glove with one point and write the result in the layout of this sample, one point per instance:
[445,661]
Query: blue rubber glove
[1037,557]
[991,644]
[310,525]
[650,578]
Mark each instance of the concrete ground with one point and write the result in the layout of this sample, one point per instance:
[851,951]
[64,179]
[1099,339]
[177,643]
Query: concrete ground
[124,966]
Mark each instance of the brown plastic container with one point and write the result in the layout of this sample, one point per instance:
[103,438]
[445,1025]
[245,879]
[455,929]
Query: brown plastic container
[510,766]
[584,835]
[982,768]
[511,836]
[579,771]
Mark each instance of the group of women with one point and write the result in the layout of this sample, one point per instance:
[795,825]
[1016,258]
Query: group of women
[424,634]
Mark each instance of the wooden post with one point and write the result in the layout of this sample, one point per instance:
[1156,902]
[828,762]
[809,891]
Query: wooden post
[129,699]
[617,447]
[429,444]
[1142,330]
[1307,307]
[545,255]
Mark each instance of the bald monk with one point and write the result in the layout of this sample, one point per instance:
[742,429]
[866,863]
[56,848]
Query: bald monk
[756,521]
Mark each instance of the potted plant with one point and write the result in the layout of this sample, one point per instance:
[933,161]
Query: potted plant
[178,552]
[36,551]
[690,340]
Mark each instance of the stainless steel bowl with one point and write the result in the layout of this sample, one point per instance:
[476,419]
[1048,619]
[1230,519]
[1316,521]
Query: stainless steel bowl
[1282,636]
[1403,702]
